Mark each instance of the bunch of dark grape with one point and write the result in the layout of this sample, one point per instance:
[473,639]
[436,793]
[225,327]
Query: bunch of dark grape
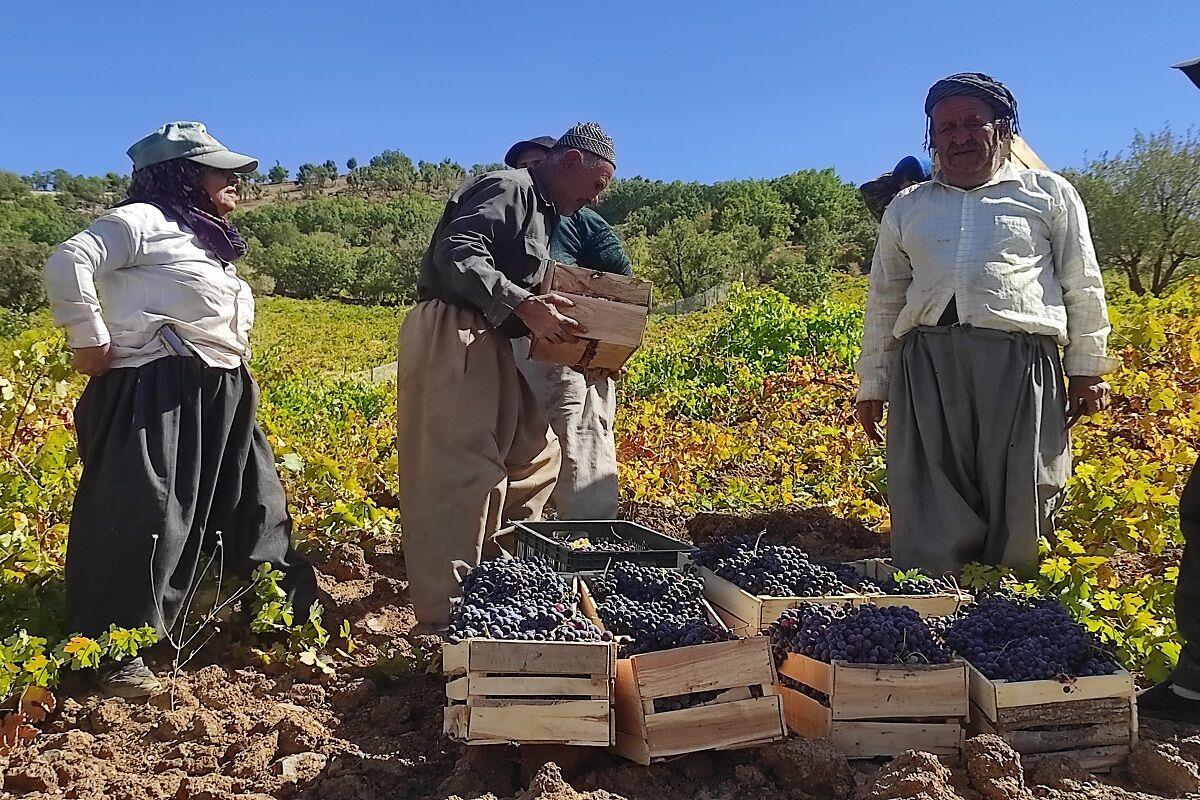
[804,689]
[851,578]
[865,635]
[680,702]
[652,608]
[1012,639]
[519,600]
[920,583]
[768,569]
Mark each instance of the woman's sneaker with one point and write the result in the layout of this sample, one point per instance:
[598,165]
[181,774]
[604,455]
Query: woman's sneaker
[130,679]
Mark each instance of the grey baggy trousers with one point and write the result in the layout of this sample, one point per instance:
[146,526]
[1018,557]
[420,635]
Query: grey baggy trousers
[978,452]
[581,415]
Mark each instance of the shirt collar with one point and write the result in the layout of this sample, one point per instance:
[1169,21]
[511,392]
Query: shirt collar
[541,196]
[1007,172]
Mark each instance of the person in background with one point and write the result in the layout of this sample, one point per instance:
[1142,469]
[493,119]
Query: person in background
[581,409]
[1178,698]
[474,447]
[979,276]
[172,455]
[877,194]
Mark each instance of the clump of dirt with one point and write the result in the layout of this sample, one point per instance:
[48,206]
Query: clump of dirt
[913,776]
[819,533]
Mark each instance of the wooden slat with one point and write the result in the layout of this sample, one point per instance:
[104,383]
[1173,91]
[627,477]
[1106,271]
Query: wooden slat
[874,739]
[540,658]
[632,747]
[566,353]
[608,320]
[739,627]
[457,689]
[454,658]
[730,597]
[454,722]
[809,671]
[1080,712]
[714,726]
[863,691]
[703,668]
[1023,156]
[573,720]
[595,686]
[610,356]
[569,279]
[630,716]
[805,716]
[1096,759]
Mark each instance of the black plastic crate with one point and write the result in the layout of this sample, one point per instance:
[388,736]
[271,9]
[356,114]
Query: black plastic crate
[538,539]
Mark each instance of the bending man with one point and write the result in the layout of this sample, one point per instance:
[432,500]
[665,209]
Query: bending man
[580,411]
[979,276]
[474,447]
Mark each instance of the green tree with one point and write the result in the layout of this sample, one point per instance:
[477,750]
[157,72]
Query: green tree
[278,173]
[690,257]
[847,231]
[351,164]
[484,169]
[12,186]
[21,275]
[330,169]
[315,265]
[1144,209]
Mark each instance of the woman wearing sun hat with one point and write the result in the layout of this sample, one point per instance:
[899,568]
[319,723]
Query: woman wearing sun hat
[156,314]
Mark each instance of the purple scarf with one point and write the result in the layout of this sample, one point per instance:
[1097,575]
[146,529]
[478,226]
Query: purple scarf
[174,188]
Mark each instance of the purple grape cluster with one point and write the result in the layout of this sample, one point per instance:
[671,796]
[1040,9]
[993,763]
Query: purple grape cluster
[864,635]
[652,608]
[1012,639]
[767,569]
[522,601]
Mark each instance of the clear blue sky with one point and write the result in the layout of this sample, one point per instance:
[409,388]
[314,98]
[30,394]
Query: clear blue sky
[697,91]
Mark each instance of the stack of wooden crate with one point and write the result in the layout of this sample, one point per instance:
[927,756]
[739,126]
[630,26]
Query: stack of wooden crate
[870,710]
[1092,720]
[530,692]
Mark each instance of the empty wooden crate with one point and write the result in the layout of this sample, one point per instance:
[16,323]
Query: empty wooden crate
[1092,720]
[870,710]
[613,308]
[743,713]
[530,692]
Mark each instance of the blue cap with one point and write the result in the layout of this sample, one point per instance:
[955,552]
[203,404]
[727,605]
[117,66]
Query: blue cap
[912,168]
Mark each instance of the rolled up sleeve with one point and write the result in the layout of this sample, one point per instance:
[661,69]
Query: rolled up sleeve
[1078,273]
[491,213]
[71,272]
[891,274]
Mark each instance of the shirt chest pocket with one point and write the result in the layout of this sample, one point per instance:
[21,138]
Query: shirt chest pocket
[537,250]
[1014,237]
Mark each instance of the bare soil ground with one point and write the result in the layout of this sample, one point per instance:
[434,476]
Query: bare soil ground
[239,729]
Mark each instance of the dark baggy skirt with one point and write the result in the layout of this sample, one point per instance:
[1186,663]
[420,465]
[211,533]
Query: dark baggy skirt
[171,449]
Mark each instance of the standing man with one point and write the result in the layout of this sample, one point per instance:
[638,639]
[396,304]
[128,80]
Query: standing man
[979,276]
[474,448]
[580,410]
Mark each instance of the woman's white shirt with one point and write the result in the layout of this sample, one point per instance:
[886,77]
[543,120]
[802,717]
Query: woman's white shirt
[133,271]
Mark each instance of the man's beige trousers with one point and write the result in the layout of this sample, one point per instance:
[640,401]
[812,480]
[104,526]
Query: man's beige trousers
[474,449]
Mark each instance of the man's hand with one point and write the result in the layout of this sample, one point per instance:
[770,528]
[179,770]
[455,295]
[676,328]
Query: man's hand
[92,360]
[1086,395]
[542,316]
[870,415]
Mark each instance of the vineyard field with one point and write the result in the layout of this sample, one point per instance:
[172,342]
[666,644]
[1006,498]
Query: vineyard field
[742,408]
